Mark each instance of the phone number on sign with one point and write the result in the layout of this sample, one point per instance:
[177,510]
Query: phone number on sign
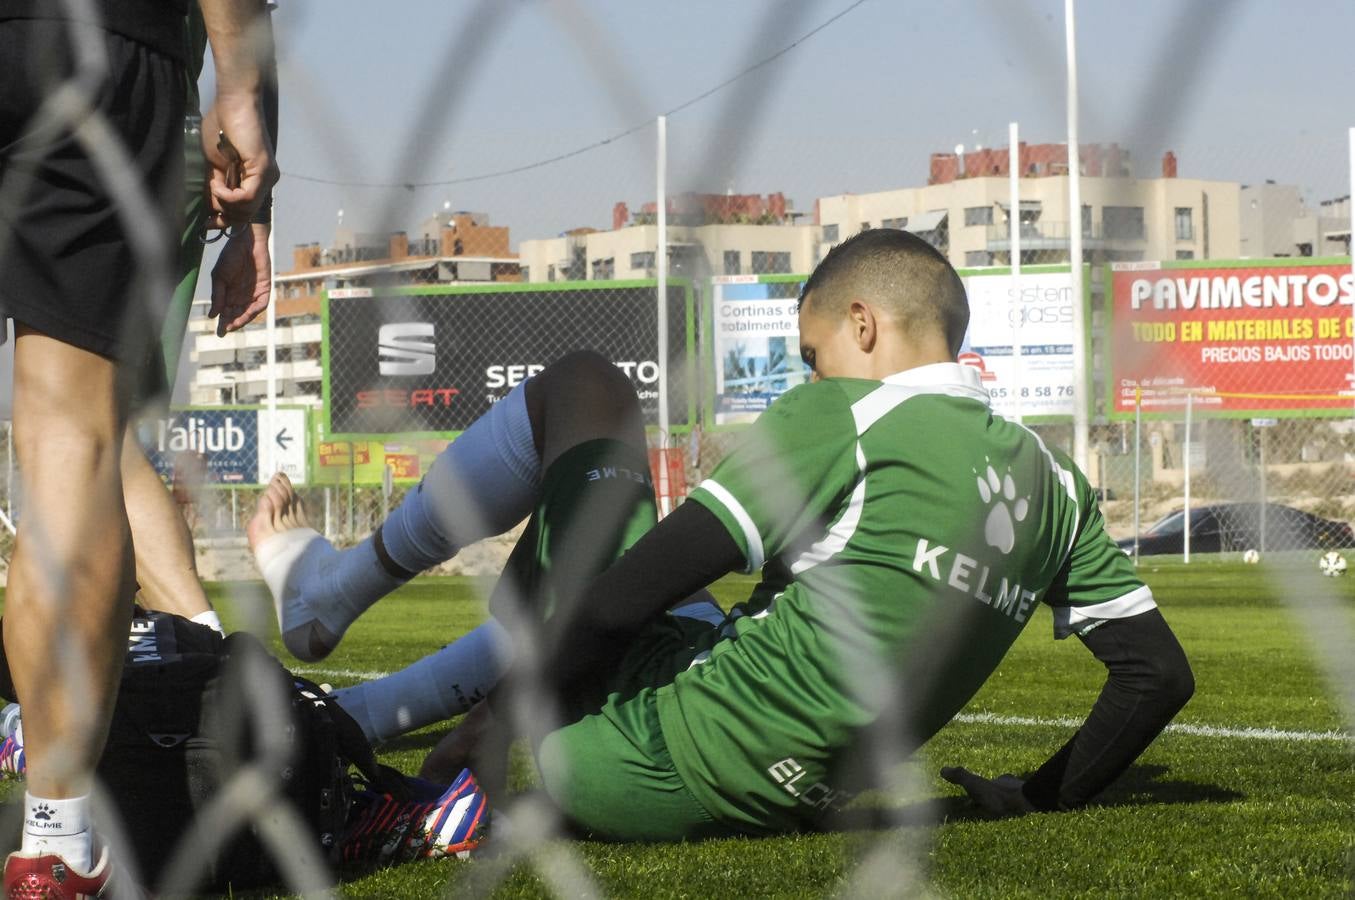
[1044,390]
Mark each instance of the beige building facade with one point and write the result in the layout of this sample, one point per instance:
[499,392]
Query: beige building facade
[1122,219]
[694,252]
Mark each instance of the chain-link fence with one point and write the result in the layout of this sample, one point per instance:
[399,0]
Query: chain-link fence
[1120,310]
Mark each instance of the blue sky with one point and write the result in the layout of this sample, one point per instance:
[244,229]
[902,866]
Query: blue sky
[426,91]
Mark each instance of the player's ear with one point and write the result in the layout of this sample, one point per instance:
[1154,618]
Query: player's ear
[864,325]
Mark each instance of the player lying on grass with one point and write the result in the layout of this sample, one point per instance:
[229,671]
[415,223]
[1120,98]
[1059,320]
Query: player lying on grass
[904,534]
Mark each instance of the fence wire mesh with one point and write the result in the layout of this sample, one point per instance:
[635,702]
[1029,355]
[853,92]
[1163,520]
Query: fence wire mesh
[1219,389]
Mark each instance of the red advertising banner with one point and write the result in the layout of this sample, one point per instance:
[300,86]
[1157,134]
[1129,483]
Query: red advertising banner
[1241,337]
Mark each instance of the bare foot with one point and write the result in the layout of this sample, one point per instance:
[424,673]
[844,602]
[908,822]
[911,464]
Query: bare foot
[279,509]
[293,559]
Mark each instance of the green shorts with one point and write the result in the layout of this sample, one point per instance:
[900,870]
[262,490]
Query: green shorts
[189,261]
[157,373]
[608,768]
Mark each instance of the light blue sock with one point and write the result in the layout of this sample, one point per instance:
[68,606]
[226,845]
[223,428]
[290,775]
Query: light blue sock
[441,685]
[319,591]
[482,484]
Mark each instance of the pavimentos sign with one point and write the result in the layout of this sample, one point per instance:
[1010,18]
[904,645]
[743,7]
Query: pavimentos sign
[1240,337]
[431,360]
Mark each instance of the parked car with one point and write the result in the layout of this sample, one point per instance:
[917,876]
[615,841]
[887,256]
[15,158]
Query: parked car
[1225,527]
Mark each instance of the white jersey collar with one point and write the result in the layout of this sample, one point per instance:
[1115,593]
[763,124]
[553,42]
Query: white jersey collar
[948,378]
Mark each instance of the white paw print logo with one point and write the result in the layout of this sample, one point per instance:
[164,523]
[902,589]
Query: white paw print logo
[1000,528]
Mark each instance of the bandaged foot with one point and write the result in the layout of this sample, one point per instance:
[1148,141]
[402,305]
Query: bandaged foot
[318,591]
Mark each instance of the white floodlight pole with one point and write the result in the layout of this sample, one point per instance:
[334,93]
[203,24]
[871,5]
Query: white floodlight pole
[661,298]
[1190,405]
[1081,389]
[270,457]
[1014,242]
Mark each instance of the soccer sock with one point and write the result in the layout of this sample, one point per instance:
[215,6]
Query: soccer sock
[60,827]
[210,619]
[441,685]
[319,591]
[483,484]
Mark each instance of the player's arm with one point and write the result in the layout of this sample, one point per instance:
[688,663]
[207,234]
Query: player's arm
[1148,679]
[780,482]
[242,278]
[242,172]
[675,559]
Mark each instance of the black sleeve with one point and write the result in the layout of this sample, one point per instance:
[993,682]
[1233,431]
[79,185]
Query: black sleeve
[686,551]
[1148,681]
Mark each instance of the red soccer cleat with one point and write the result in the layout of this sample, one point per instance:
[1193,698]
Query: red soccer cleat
[46,876]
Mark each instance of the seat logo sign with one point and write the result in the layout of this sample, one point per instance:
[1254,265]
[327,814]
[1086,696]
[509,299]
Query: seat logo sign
[406,348]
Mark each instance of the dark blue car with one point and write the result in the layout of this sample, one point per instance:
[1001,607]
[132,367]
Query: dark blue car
[1234,527]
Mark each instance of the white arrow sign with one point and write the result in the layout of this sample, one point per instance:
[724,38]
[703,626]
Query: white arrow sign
[288,430]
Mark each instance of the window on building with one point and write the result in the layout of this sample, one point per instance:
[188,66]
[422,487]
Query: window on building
[771,262]
[974,258]
[1086,221]
[898,224]
[550,273]
[732,263]
[1185,254]
[1185,223]
[643,259]
[830,234]
[978,215]
[525,272]
[604,269]
[1123,222]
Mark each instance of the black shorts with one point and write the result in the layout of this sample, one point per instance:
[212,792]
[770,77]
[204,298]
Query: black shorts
[68,265]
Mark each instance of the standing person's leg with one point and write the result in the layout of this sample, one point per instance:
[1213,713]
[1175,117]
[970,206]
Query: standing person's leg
[166,568]
[68,601]
[76,289]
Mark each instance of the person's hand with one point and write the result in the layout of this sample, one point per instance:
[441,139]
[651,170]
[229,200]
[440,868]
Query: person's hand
[242,171]
[1001,795]
[458,747]
[241,279]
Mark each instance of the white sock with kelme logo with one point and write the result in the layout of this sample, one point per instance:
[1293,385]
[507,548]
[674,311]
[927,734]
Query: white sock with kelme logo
[59,826]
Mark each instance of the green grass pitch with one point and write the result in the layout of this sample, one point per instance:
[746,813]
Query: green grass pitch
[1256,797]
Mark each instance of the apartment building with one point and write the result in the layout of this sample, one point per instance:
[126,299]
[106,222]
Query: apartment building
[963,209]
[708,234]
[451,247]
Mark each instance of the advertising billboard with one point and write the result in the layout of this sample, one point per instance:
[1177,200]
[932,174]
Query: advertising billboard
[366,461]
[755,355]
[430,360]
[1240,337]
[1030,315]
[228,446]
[755,344]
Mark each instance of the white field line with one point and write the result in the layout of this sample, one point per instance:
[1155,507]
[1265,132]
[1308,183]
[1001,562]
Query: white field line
[315,672]
[1252,734]
[986,718]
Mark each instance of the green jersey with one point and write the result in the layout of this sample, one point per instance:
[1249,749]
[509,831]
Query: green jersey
[905,534]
